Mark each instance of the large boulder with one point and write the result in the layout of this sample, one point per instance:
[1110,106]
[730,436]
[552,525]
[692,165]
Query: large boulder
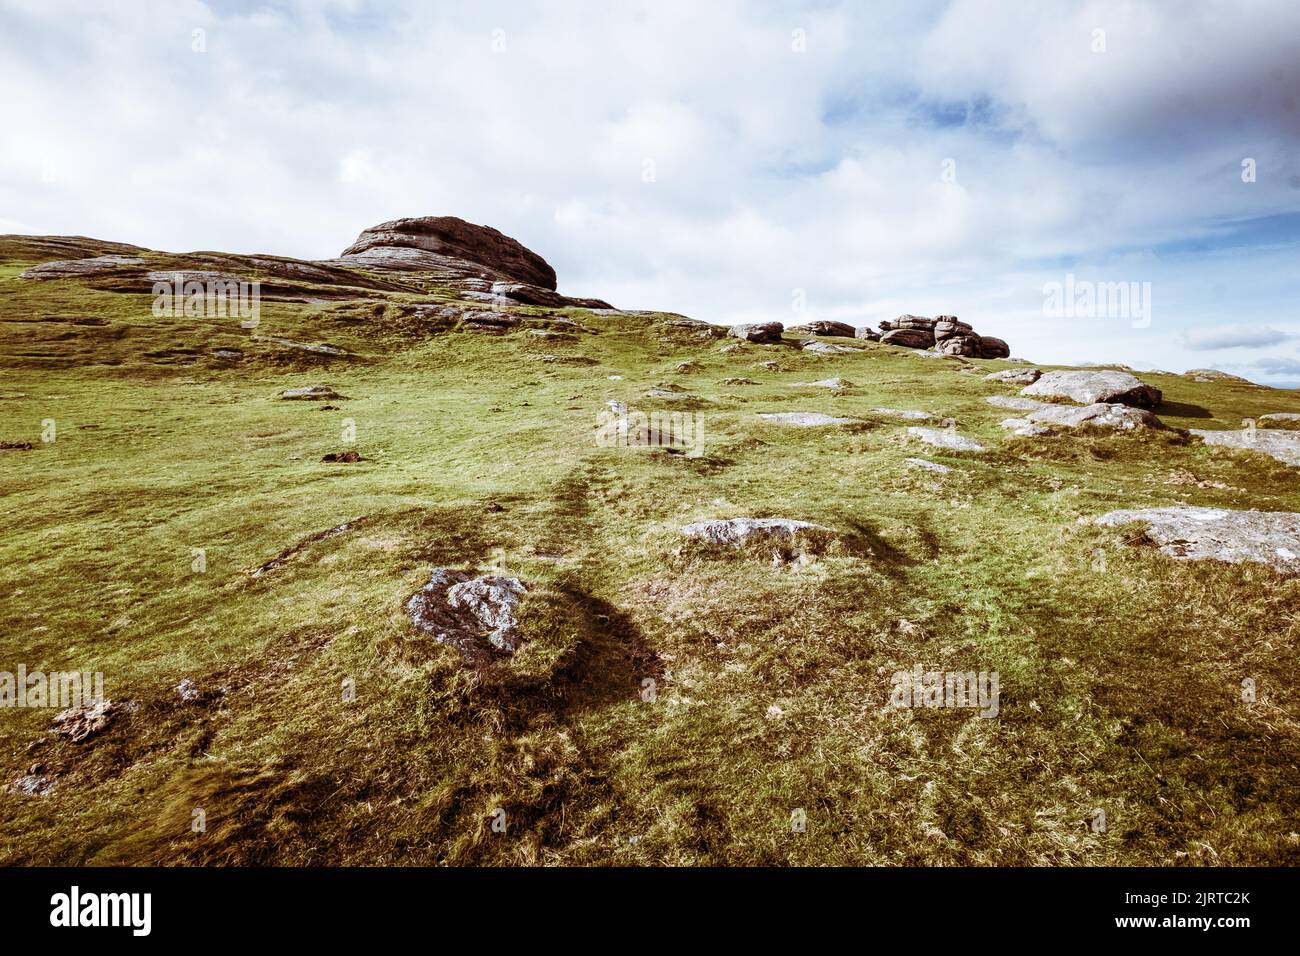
[1191,534]
[991,347]
[761,332]
[912,338]
[824,327]
[433,243]
[948,326]
[1088,388]
[921,322]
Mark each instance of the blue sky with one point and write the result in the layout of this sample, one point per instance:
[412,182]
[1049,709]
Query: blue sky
[724,160]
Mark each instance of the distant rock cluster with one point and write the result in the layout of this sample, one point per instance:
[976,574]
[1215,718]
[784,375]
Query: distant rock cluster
[945,334]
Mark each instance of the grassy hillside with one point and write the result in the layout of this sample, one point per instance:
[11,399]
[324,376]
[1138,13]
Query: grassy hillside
[1120,669]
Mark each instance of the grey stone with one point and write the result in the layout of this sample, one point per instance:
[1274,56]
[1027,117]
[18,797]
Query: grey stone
[1282,444]
[1192,534]
[804,419]
[476,615]
[1087,388]
[311,393]
[761,332]
[928,465]
[1015,376]
[732,532]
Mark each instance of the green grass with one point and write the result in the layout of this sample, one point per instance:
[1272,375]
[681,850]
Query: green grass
[1120,669]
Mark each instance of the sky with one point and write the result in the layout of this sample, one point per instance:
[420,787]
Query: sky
[1008,163]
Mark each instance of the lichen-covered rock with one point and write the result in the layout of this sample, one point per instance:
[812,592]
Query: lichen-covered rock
[732,532]
[311,393]
[1191,534]
[477,615]
[1100,414]
[1088,388]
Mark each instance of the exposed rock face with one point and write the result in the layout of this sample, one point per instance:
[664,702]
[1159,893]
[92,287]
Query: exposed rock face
[1087,388]
[1101,414]
[475,615]
[907,337]
[1279,443]
[1190,534]
[871,335]
[433,243]
[732,532]
[1015,376]
[79,267]
[1213,375]
[824,328]
[943,438]
[761,332]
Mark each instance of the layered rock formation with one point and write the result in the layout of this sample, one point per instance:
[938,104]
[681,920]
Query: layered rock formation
[945,334]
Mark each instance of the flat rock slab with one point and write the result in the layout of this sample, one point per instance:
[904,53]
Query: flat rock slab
[1101,414]
[733,532]
[1192,534]
[804,419]
[942,438]
[1016,376]
[910,414]
[1020,404]
[1282,444]
[79,267]
[475,615]
[1088,388]
[826,348]
[1278,417]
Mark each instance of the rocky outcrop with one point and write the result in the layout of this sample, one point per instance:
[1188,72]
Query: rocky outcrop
[870,335]
[476,615]
[1088,388]
[1192,534]
[79,267]
[824,328]
[946,334]
[434,243]
[1213,375]
[760,332]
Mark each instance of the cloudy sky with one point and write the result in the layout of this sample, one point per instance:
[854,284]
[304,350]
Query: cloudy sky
[726,160]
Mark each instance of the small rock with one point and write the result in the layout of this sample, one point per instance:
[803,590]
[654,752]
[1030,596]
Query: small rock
[905,413]
[188,690]
[342,457]
[835,383]
[761,332]
[80,723]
